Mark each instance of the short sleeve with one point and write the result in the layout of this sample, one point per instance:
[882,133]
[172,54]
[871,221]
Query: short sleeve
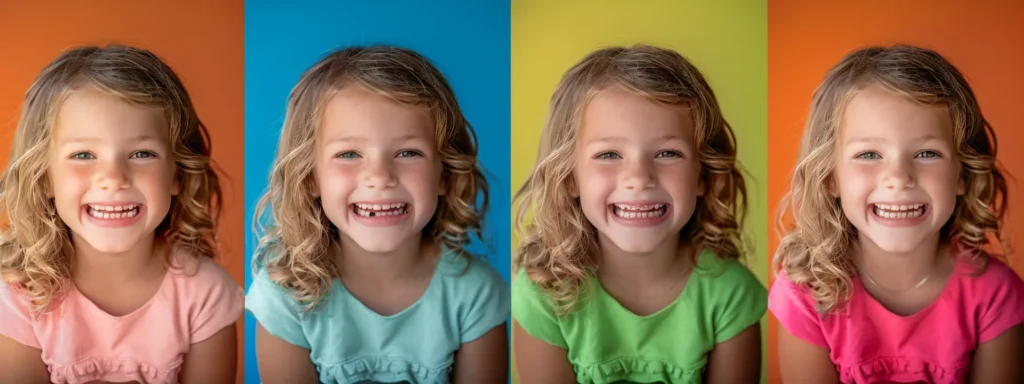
[743,301]
[1003,309]
[276,310]
[218,305]
[489,304]
[534,311]
[15,317]
[795,311]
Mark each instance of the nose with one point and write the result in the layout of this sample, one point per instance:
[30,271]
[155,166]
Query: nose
[899,175]
[113,175]
[639,175]
[379,174]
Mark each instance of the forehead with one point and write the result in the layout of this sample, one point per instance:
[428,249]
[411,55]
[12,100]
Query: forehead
[354,111]
[88,113]
[874,112]
[619,112]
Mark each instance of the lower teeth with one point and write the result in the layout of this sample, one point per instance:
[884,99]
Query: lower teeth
[395,212]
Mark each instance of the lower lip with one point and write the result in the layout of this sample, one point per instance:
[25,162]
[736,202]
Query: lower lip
[639,221]
[379,221]
[900,222]
[114,223]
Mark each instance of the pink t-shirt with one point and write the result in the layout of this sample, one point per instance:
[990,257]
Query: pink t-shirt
[82,343]
[868,343]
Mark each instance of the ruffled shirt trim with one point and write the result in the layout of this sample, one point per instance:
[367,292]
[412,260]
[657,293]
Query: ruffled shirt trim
[639,370]
[895,368]
[383,369]
[108,369]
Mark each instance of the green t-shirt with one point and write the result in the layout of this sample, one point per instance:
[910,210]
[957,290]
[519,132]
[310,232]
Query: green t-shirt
[606,343]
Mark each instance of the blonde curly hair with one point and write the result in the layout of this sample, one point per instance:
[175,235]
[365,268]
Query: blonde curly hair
[558,248]
[814,250]
[294,233]
[35,247]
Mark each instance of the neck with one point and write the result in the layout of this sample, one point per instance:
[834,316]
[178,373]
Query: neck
[898,270]
[664,262]
[388,266]
[136,263]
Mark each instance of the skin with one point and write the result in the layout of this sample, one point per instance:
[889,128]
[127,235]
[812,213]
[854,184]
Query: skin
[372,149]
[107,151]
[643,268]
[894,150]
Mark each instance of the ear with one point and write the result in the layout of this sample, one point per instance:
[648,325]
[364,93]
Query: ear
[961,187]
[701,187]
[175,187]
[832,187]
[574,189]
[442,187]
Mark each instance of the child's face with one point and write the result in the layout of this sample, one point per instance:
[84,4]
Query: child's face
[378,173]
[637,169]
[111,170]
[897,173]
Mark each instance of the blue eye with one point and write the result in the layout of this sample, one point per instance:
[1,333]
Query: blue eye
[347,155]
[607,156]
[928,154]
[663,154]
[143,155]
[409,153]
[869,156]
[82,156]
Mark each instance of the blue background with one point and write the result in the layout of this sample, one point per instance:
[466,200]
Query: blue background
[468,41]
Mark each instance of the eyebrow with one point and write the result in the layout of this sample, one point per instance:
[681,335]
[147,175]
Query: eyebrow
[360,139]
[876,139]
[90,139]
[612,139]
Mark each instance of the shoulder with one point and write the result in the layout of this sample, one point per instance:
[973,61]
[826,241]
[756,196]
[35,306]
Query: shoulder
[202,276]
[991,281]
[469,271]
[726,274]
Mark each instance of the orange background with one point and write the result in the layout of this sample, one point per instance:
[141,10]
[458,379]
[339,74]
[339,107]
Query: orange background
[203,41]
[984,40]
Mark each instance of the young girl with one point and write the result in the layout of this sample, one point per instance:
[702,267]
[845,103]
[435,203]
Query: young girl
[361,274]
[629,269]
[886,274]
[111,202]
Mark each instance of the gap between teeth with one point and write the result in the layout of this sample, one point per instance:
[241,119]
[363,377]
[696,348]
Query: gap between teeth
[380,207]
[651,207]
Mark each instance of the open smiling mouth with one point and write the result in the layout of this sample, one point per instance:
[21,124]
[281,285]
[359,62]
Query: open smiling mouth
[899,211]
[645,211]
[380,210]
[113,212]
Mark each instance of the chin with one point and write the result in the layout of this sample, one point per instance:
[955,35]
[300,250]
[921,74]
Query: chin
[634,246]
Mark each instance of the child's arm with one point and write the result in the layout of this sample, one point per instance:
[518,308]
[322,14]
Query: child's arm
[737,360]
[484,360]
[282,362]
[540,362]
[1000,360]
[213,360]
[803,353]
[802,362]
[20,363]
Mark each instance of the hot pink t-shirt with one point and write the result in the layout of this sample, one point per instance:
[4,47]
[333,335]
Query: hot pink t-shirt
[868,343]
[82,343]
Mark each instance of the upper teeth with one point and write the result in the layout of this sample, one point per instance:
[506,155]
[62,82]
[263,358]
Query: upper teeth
[627,207]
[378,207]
[894,207]
[113,208]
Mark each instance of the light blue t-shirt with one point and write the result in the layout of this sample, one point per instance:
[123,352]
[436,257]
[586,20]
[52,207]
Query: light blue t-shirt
[350,343]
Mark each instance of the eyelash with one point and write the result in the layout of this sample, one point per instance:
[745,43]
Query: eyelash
[79,155]
[604,155]
[355,155]
[933,154]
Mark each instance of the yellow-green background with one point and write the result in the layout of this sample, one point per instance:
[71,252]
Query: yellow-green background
[725,39]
